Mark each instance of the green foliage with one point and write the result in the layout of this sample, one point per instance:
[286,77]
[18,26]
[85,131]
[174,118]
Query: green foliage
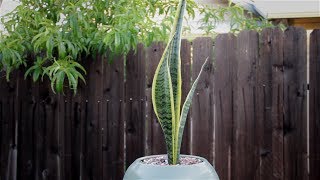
[58,33]
[39,33]
[61,69]
[239,19]
[10,54]
[166,90]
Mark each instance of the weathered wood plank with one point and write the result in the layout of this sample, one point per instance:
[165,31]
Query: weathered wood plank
[60,114]
[1,137]
[185,55]
[26,106]
[68,130]
[93,143]
[113,92]
[81,122]
[83,137]
[77,120]
[50,108]
[263,106]
[225,59]
[295,104]
[8,155]
[244,108]
[84,143]
[276,58]
[314,126]
[135,104]
[154,136]
[202,117]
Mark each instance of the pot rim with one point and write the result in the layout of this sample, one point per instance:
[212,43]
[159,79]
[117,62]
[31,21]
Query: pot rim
[204,161]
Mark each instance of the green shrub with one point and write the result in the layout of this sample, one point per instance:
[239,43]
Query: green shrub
[43,35]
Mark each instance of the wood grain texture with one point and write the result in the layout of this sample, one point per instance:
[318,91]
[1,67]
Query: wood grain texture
[113,93]
[314,126]
[8,154]
[263,106]
[248,114]
[225,64]
[275,40]
[202,116]
[135,104]
[185,54]
[295,104]
[26,100]
[245,164]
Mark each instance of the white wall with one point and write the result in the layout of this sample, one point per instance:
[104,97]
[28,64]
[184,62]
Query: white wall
[7,6]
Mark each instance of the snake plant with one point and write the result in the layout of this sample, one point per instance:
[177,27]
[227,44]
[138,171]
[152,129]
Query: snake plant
[166,90]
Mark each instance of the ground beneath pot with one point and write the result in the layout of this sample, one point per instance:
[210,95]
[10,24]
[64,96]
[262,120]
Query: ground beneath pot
[163,160]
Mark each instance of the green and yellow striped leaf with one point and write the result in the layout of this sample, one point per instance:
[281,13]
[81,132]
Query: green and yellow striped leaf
[186,107]
[166,87]
[163,102]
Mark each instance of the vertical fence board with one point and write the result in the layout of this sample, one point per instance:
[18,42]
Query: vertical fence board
[50,110]
[77,120]
[263,106]
[314,125]
[42,94]
[60,114]
[185,55]
[277,108]
[81,115]
[7,90]
[244,121]
[38,136]
[84,143]
[104,137]
[95,85]
[113,92]
[295,104]
[154,137]
[223,83]
[202,116]
[15,126]
[135,104]
[68,130]
[1,139]
[25,146]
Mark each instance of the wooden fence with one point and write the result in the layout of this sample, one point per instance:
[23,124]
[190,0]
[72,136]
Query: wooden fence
[249,116]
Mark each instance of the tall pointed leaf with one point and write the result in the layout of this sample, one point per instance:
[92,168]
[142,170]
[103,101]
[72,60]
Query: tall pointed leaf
[186,107]
[163,103]
[175,61]
[166,87]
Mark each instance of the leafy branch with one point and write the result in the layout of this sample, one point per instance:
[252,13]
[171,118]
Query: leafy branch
[238,19]
[39,34]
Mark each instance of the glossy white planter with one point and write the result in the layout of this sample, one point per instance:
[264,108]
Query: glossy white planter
[200,171]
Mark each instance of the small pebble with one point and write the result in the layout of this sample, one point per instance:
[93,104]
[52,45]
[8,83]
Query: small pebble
[163,160]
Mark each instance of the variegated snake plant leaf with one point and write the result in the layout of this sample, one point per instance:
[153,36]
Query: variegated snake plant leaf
[166,90]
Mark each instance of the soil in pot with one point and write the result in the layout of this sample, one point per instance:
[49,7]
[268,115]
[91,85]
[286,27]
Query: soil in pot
[162,160]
